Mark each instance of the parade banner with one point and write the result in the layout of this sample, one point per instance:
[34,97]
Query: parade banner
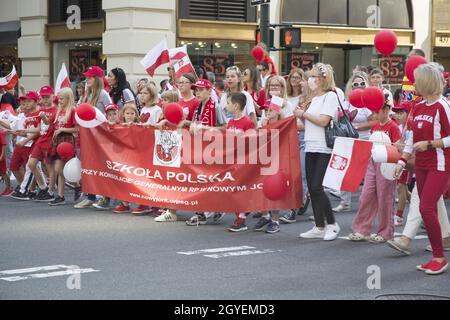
[209,171]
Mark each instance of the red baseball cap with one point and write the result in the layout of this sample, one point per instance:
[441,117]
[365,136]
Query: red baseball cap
[32,95]
[405,106]
[46,91]
[111,106]
[94,72]
[202,83]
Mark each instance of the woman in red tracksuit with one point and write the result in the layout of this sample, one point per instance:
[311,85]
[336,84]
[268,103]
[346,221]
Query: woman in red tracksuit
[430,139]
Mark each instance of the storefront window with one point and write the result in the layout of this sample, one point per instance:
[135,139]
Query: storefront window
[217,56]
[78,57]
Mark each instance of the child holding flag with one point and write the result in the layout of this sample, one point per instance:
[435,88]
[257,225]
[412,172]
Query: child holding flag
[377,196]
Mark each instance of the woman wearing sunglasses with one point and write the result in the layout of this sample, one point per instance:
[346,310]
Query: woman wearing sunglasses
[363,119]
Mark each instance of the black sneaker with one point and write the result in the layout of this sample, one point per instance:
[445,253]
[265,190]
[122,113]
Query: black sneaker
[257,215]
[41,193]
[19,196]
[45,197]
[273,227]
[77,194]
[238,226]
[31,195]
[303,209]
[17,189]
[261,224]
[290,217]
[58,201]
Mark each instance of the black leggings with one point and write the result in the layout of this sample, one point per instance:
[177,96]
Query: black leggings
[316,165]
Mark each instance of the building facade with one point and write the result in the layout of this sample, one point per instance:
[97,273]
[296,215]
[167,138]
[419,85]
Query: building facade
[39,35]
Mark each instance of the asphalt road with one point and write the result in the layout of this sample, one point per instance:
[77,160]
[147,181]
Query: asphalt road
[127,257]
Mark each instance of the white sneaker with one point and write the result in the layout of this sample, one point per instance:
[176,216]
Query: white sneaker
[86,203]
[332,232]
[167,216]
[342,208]
[398,221]
[314,233]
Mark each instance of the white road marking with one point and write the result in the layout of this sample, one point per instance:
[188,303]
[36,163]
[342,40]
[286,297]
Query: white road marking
[19,274]
[189,253]
[396,234]
[240,253]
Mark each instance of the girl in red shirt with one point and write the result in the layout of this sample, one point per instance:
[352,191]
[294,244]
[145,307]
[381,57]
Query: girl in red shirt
[252,84]
[430,140]
[64,126]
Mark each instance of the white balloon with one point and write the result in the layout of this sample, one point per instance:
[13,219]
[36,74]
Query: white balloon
[99,119]
[379,136]
[72,170]
[388,171]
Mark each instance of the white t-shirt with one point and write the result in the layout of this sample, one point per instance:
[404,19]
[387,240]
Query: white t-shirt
[224,116]
[155,114]
[328,105]
[361,117]
[294,101]
[18,124]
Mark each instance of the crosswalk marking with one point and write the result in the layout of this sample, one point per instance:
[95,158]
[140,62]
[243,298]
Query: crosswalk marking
[37,272]
[396,234]
[217,253]
[216,250]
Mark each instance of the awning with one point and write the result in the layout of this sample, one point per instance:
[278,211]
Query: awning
[9,32]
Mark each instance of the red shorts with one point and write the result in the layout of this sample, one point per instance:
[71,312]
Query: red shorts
[405,178]
[3,166]
[40,152]
[19,158]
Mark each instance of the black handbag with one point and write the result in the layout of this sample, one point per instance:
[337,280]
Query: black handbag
[341,128]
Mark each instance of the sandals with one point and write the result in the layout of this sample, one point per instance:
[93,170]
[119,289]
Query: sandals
[356,236]
[376,238]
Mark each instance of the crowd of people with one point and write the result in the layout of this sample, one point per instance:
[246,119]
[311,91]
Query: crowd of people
[415,118]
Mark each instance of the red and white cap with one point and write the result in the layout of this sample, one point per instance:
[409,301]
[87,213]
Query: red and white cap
[94,72]
[202,83]
[46,91]
[32,95]
[111,106]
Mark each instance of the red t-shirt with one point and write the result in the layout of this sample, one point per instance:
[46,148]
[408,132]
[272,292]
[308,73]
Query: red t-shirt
[431,122]
[243,124]
[59,123]
[390,128]
[32,120]
[260,98]
[46,130]
[192,105]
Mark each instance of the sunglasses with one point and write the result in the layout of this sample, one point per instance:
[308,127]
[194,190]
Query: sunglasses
[358,84]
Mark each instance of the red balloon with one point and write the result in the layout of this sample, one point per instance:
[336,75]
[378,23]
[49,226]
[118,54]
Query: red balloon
[258,53]
[412,64]
[174,113]
[86,112]
[373,98]
[66,151]
[385,42]
[275,187]
[356,98]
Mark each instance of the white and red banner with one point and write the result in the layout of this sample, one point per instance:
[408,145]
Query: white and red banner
[183,66]
[348,164]
[156,57]
[211,171]
[63,80]
[177,53]
[10,81]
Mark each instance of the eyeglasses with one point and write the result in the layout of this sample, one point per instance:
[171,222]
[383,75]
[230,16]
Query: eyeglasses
[359,84]
[296,78]
[275,86]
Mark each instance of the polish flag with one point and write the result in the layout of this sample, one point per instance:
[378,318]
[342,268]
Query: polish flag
[348,164]
[183,66]
[178,53]
[10,81]
[156,57]
[385,153]
[276,103]
[63,80]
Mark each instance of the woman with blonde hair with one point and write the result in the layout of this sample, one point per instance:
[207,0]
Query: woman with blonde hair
[276,86]
[64,127]
[323,108]
[430,141]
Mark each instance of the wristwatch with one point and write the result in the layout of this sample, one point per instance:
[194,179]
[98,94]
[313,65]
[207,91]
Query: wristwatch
[429,145]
